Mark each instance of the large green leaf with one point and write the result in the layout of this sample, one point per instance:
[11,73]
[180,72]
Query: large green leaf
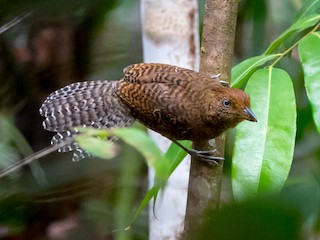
[242,71]
[300,25]
[309,51]
[263,151]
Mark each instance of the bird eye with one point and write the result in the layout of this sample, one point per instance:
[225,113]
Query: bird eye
[226,103]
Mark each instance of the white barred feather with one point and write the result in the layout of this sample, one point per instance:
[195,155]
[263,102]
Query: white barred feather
[83,104]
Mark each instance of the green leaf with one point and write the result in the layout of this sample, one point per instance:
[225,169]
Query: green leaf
[11,134]
[164,165]
[174,156]
[171,159]
[135,137]
[300,25]
[242,71]
[152,193]
[98,147]
[89,131]
[263,151]
[309,7]
[145,145]
[309,51]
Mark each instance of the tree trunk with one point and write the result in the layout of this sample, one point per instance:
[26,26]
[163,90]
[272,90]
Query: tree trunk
[170,35]
[216,57]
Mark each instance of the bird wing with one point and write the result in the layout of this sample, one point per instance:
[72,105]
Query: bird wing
[144,73]
[152,81]
[152,87]
[163,96]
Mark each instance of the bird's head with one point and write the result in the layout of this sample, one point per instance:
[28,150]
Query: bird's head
[232,107]
[236,103]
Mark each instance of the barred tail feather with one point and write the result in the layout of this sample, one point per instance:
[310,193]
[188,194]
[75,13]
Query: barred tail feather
[83,104]
[78,153]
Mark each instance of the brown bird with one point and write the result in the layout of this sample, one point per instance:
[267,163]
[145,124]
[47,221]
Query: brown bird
[176,102]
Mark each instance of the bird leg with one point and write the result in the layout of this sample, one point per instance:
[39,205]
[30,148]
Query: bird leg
[224,83]
[217,76]
[204,155]
[214,76]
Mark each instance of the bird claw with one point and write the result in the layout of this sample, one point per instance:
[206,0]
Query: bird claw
[217,76]
[224,83]
[203,152]
[214,76]
[205,155]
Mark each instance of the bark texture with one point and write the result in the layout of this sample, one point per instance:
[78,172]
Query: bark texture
[216,57]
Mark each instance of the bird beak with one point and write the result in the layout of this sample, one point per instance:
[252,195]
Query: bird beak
[250,115]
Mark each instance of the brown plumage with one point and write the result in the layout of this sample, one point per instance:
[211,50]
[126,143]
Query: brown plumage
[176,102]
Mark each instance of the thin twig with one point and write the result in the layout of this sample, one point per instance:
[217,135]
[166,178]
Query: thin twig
[13,22]
[31,158]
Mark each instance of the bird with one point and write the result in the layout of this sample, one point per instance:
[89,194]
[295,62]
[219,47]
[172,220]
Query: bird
[178,103]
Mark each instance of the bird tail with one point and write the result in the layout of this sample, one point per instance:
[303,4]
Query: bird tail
[83,104]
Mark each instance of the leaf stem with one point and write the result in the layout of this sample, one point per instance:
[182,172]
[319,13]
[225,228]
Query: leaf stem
[294,45]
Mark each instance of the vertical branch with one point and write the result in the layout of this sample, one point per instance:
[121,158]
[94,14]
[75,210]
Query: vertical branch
[216,57]
[170,35]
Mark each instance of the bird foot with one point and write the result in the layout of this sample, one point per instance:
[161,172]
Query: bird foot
[205,155]
[217,76]
[224,83]
[214,76]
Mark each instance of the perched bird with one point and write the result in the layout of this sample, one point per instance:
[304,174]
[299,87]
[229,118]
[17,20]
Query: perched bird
[176,102]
